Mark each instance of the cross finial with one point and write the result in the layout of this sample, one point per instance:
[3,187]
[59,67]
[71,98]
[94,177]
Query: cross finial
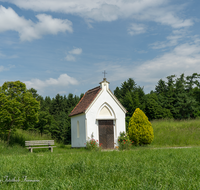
[104,75]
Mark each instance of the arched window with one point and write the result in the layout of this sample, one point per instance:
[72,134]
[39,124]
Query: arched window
[105,112]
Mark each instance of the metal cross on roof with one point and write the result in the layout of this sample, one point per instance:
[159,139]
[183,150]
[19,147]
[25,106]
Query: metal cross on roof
[104,74]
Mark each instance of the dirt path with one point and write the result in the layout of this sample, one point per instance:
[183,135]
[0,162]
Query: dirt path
[173,147]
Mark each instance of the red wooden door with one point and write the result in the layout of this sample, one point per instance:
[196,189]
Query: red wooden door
[106,134]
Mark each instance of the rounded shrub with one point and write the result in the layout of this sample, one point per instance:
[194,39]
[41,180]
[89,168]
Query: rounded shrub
[140,129]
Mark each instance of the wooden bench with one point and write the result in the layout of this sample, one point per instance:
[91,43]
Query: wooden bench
[40,143]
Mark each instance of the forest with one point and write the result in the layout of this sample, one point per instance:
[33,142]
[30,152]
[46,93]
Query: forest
[175,97]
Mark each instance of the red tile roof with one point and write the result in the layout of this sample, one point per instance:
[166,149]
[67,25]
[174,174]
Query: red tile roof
[85,101]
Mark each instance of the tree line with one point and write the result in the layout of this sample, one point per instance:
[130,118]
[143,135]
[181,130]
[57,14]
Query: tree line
[54,115]
[177,97]
[26,109]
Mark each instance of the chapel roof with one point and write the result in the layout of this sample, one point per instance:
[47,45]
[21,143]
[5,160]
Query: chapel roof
[85,101]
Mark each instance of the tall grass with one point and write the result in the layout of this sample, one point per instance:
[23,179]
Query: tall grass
[20,136]
[11,150]
[166,133]
[139,168]
[135,169]
[176,133]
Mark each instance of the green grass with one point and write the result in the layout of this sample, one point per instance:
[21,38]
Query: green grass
[31,135]
[143,167]
[166,133]
[176,133]
[20,136]
[80,169]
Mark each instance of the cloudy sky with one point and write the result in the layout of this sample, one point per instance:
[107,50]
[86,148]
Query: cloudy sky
[63,46]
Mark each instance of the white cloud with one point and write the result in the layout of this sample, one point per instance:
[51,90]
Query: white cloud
[63,80]
[110,10]
[28,30]
[172,40]
[88,22]
[184,58]
[3,68]
[75,51]
[135,29]
[2,55]
[165,17]
[62,92]
[70,58]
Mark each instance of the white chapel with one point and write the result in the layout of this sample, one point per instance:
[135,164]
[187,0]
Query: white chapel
[99,114]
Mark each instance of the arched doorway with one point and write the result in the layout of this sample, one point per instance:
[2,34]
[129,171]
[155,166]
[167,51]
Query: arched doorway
[106,118]
[106,134]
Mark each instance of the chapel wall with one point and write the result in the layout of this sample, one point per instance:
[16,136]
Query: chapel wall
[81,140]
[92,115]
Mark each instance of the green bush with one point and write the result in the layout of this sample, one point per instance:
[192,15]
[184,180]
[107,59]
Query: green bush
[124,141]
[15,138]
[140,129]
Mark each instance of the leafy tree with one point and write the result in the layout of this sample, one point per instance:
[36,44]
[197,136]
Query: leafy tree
[45,121]
[65,128]
[193,88]
[161,87]
[18,107]
[59,108]
[179,96]
[131,97]
[153,108]
[191,81]
[169,94]
[140,129]
[185,105]
[33,92]
[196,95]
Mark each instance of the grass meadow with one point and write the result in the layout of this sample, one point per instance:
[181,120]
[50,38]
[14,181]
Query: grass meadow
[148,167]
[176,133]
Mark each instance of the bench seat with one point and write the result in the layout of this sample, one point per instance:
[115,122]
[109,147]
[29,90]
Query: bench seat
[38,143]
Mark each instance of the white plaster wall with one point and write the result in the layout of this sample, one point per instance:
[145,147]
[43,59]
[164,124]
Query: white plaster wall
[78,142]
[91,115]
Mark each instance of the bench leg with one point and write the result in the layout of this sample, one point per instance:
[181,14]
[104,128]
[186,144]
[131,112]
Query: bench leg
[51,148]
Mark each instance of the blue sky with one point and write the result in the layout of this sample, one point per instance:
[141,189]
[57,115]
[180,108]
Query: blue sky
[63,46]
